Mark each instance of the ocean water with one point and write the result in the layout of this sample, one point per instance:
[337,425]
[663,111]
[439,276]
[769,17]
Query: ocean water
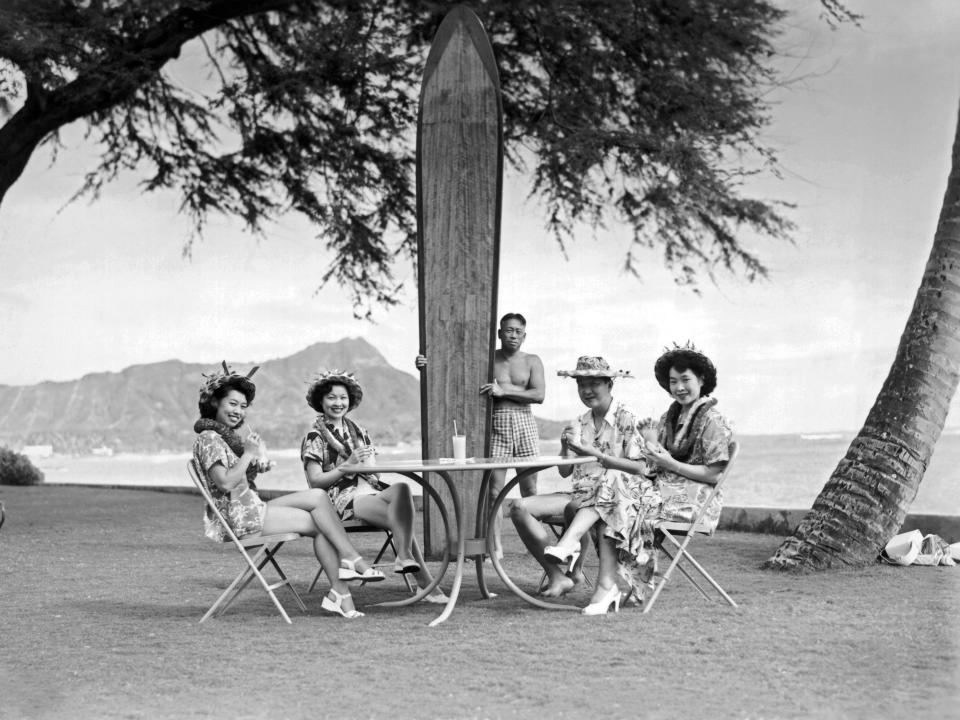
[782,471]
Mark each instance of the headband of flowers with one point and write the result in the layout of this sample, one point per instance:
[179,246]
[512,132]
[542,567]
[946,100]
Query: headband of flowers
[216,379]
[340,377]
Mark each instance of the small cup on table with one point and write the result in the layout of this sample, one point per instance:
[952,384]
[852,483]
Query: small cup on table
[459,447]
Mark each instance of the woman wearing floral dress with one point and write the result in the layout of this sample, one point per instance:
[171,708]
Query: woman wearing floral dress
[229,455]
[695,437]
[335,440]
[612,494]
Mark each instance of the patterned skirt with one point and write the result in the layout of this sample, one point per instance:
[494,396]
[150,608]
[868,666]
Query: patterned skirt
[629,506]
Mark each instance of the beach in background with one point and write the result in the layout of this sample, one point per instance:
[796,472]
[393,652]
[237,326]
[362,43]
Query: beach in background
[781,471]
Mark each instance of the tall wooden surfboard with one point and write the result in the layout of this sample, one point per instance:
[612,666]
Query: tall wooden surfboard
[459,183]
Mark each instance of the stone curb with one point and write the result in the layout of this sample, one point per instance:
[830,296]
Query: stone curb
[775,521]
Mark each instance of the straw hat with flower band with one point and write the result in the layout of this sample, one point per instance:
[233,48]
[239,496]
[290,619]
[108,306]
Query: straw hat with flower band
[208,390]
[594,366]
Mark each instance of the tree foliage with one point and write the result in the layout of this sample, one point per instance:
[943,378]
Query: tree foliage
[645,112]
[16,469]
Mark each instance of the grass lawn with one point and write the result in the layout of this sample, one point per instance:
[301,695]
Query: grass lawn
[101,591]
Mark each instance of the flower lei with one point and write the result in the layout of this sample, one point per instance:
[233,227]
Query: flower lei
[232,440]
[680,443]
[338,447]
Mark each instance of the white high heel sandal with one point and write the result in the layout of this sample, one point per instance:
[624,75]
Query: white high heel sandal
[348,571]
[337,607]
[562,554]
[600,607]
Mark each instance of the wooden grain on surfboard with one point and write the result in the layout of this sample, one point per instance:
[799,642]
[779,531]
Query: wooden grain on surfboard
[459,168]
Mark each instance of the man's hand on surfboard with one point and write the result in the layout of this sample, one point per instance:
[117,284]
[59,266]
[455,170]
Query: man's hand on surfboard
[492,389]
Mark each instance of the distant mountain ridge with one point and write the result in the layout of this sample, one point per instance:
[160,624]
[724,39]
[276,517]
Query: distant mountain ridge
[152,407]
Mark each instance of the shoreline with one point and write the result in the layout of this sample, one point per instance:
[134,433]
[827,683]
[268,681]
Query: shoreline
[786,473]
[752,519]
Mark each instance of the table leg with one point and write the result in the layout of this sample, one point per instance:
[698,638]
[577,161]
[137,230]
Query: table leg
[496,562]
[444,516]
[482,532]
[461,548]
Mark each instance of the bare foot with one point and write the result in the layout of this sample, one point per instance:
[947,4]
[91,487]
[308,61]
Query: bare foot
[558,587]
[577,577]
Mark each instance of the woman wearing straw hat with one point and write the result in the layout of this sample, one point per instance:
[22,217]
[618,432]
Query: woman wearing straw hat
[694,436]
[614,496]
[230,455]
[335,440]
[606,493]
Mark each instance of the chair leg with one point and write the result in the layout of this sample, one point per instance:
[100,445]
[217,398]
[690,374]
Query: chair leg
[387,545]
[227,596]
[709,579]
[316,579]
[693,582]
[658,587]
[675,562]
[283,577]
[255,564]
[241,581]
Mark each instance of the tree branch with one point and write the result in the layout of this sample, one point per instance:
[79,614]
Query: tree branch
[123,70]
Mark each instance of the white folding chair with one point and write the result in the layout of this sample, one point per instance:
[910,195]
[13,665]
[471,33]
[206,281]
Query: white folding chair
[267,546]
[666,539]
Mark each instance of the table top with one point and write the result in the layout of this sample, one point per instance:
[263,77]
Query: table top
[451,465]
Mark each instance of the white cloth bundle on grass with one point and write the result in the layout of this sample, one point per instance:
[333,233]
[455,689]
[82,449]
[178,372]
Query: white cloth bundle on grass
[915,548]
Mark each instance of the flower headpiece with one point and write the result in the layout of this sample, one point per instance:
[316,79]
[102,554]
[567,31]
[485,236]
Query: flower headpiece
[323,381]
[216,380]
[686,355]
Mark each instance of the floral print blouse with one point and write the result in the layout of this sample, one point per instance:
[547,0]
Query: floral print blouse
[617,436]
[683,498]
[209,449]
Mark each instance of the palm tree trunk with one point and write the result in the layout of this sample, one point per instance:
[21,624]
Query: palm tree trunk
[867,497]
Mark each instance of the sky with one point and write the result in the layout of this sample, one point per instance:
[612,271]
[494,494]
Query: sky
[863,133]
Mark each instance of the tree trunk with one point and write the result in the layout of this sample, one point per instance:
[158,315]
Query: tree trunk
[867,497]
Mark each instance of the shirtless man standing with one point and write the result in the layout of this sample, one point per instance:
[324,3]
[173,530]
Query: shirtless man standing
[517,383]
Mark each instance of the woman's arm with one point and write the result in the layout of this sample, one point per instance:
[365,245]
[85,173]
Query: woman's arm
[317,478]
[566,451]
[262,463]
[229,479]
[633,467]
[707,474]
